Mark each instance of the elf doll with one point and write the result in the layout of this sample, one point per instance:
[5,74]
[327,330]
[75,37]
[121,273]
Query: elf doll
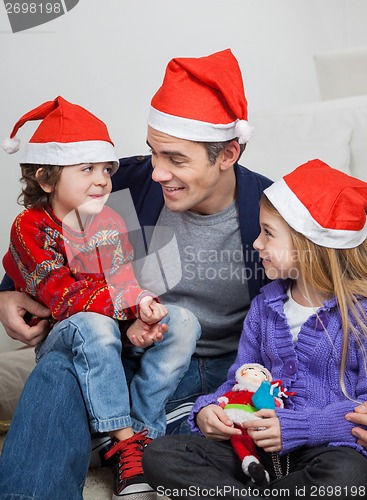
[253,391]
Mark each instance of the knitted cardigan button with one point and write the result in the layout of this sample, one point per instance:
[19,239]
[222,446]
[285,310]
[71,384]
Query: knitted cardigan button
[290,366]
[322,321]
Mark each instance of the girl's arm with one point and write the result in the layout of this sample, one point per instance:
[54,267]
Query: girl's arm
[327,425]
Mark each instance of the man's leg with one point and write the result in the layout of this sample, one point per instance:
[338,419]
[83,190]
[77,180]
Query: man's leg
[47,449]
[194,466]
[203,376]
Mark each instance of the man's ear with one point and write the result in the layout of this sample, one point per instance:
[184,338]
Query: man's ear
[230,155]
[46,187]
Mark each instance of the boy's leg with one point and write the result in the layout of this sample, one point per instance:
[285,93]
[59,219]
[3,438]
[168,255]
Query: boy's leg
[204,376]
[94,343]
[162,367]
[197,467]
[47,449]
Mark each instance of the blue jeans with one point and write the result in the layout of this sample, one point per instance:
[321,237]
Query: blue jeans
[93,343]
[47,448]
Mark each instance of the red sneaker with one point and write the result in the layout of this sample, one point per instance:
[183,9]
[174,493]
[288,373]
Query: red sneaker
[129,481]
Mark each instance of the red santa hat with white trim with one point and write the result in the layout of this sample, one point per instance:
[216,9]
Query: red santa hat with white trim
[202,99]
[322,203]
[67,135]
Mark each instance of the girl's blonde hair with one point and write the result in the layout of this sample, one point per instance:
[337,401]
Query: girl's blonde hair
[341,273]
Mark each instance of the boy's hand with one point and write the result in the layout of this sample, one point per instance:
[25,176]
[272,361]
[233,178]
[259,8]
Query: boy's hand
[150,311]
[266,433]
[141,334]
[215,424]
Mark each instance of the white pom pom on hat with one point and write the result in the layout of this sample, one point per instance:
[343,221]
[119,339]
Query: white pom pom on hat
[243,131]
[11,145]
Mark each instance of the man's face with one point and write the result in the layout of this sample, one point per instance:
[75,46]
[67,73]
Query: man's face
[188,180]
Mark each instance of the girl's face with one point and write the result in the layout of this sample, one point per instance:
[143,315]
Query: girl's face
[84,187]
[275,247]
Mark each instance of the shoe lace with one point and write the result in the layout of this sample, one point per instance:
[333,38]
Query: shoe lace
[130,454]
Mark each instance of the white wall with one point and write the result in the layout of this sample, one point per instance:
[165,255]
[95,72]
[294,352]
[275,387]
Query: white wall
[110,57]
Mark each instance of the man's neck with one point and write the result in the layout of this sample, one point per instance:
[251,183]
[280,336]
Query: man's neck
[225,195]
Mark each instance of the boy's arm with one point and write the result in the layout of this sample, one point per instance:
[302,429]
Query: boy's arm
[41,270]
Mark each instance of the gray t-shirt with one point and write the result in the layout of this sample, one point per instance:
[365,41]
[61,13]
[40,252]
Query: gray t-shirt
[201,267]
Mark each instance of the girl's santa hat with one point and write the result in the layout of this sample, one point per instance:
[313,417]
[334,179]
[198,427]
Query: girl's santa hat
[202,99]
[67,135]
[322,203]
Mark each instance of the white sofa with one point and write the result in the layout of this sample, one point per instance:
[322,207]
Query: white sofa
[334,131]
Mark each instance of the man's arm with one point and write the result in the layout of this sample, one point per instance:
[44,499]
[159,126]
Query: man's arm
[359,417]
[13,307]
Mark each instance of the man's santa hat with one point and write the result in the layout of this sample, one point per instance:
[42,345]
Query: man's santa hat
[322,203]
[67,135]
[202,99]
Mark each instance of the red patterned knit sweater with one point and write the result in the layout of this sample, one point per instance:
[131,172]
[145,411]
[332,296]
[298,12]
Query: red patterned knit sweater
[71,271]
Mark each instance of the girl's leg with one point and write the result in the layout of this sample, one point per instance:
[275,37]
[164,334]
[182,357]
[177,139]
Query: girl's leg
[187,466]
[328,472]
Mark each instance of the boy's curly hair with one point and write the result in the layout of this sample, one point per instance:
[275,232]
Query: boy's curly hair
[32,195]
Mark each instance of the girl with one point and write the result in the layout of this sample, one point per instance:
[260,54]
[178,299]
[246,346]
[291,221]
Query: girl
[308,328]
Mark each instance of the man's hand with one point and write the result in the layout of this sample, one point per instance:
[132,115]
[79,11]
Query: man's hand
[359,417]
[13,307]
[214,423]
[142,335]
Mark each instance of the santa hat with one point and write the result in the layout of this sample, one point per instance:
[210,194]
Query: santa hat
[325,205]
[67,135]
[202,99]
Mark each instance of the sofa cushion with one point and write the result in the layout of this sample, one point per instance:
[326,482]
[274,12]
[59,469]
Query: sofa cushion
[333,131]
[15,367]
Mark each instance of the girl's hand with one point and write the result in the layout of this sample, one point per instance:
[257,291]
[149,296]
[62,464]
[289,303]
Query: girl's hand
[214,423]
[266,433]
[151,311]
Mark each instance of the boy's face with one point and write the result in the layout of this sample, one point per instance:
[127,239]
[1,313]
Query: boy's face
[188,180]
[84,187]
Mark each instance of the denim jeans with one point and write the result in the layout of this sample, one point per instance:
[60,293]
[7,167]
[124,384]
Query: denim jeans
[93,343]
[47,449]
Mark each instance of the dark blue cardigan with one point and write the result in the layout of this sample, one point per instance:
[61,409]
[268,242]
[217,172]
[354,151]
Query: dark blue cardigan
[135,174]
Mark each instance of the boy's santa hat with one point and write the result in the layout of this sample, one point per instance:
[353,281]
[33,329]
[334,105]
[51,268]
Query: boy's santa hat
[322,203]
[67,135]
[202,99]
